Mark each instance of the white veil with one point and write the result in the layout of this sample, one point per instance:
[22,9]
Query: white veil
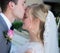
[50,34]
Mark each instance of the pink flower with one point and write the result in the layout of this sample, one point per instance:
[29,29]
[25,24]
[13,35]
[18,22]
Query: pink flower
[10,33]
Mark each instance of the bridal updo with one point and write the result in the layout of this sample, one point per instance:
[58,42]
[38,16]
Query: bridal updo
[39,11]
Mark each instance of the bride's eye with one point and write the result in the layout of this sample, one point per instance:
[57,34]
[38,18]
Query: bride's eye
[25,16]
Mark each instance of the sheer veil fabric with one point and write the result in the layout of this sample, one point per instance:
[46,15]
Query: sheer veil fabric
[50,34]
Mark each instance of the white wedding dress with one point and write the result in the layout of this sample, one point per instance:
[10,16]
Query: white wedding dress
[34,46]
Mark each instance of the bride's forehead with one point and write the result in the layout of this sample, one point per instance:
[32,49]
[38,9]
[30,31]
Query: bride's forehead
[21,1]
[28,11]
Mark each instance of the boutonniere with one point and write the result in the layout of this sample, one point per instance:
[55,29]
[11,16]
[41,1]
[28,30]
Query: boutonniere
[8,35]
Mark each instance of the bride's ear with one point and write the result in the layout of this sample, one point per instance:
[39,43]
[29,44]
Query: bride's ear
[37,20]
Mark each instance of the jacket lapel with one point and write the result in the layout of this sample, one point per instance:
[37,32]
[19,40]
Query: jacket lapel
[3,23]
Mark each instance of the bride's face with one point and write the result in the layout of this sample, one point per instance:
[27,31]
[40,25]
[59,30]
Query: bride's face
[30,24]
[27,21]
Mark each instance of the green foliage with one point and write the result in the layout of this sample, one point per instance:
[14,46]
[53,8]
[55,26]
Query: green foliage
[57,21]
[59,39]
[18,25]
[59,35]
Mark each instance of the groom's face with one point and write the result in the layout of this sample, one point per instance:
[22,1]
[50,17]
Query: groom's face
[19,9]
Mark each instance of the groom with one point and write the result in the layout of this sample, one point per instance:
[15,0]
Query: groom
[11,9]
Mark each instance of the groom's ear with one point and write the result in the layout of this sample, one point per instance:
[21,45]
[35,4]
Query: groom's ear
[11,5]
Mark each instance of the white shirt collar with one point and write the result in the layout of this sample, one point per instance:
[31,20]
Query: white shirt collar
[6,20]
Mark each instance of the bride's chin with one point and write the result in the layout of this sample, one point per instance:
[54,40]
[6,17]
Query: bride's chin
[23,27]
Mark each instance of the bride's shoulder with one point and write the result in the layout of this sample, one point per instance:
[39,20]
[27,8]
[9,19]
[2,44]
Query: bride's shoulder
[35,47]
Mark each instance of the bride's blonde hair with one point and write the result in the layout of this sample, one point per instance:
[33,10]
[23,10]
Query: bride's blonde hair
[39,11]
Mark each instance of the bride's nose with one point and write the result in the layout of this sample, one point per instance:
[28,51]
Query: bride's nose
[23,18]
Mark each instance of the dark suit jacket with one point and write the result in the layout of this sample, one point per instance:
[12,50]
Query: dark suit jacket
[4,47]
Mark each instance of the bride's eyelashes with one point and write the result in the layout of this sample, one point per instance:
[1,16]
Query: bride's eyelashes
[25,16]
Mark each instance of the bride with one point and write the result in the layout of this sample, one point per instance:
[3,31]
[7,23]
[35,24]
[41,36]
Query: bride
[42,30]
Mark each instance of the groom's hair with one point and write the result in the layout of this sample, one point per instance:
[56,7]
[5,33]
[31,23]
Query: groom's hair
[4,3]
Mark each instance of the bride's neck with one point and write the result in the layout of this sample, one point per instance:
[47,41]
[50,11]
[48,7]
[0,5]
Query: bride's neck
[35,38]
